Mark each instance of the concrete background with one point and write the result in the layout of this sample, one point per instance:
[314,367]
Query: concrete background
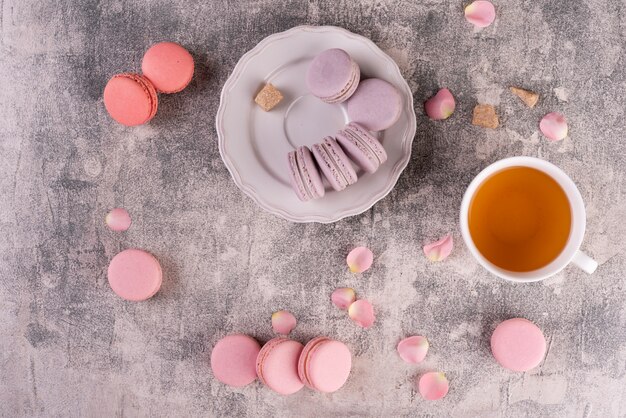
[70,347]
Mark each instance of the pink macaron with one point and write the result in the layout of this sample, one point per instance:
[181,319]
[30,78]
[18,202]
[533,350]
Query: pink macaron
[135,275]
[325,364]
[334,163]
[233,360]
[362,147]
[517,344]
[333,76]
[304,174]
[277,365]
[168,66]
[376,104]
[130,99]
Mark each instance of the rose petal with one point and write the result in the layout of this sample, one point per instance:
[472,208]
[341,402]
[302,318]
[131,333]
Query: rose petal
[343,297]
[554,126]
[441,105]
[433,386]
[413,349]
[439,250]
[360,259]
[283,322]
[480,13]
[362,313]
[118,219]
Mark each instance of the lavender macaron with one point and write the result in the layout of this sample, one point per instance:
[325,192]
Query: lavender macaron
[334,163]
[305,177]
[376,104]
[362,147]
[333,76]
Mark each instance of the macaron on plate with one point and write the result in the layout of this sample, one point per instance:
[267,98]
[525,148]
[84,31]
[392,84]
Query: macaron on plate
[265,150]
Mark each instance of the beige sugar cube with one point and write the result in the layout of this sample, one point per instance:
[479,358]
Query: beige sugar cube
[530,98]
[485,116]
[268,97]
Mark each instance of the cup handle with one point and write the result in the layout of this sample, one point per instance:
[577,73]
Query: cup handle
[584,262]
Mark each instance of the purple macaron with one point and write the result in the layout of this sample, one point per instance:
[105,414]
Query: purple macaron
[305,177]
[334,163]
[362,147]
[375,104]
[333,76]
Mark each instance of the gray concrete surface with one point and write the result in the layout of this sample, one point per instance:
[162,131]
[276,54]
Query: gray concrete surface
[70,347]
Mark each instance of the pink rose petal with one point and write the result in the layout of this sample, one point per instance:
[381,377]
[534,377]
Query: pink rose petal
[413,349]
[480,13]
[118,219]
[441,105]
[439,250]
[433,386]
[343,297]
[360,259]
[554,126]
[362,313]
[283,322]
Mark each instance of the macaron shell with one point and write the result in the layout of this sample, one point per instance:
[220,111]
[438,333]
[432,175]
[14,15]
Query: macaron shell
[362,147]
[309,173]
[330,74]
[277,365]
[370,140]
[296,179]
[341,160]
[376,104]
[349,88]
[135,275]
[328,167]
[130,99]
[517,344]
[267,347]
[329,366]
[304,359]
[169,66]
[233,360]
[357,152]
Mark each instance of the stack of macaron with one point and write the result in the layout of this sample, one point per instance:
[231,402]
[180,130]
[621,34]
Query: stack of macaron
[372,105]
[334,157]
[282,364]
[131,99]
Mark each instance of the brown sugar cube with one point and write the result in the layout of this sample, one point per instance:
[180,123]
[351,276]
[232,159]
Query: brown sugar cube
[530,98]
[268,97]
[485,116]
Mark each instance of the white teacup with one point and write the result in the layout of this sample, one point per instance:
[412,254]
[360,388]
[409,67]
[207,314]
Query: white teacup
[570,253]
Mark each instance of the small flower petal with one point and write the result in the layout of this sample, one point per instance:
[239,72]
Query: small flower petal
[438,251]
[413,349]
[343,297]
[118,219]
[362,313]
[283,322]
[441,105]
[433,386]
[480,13]
[360,259]
[554,126]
